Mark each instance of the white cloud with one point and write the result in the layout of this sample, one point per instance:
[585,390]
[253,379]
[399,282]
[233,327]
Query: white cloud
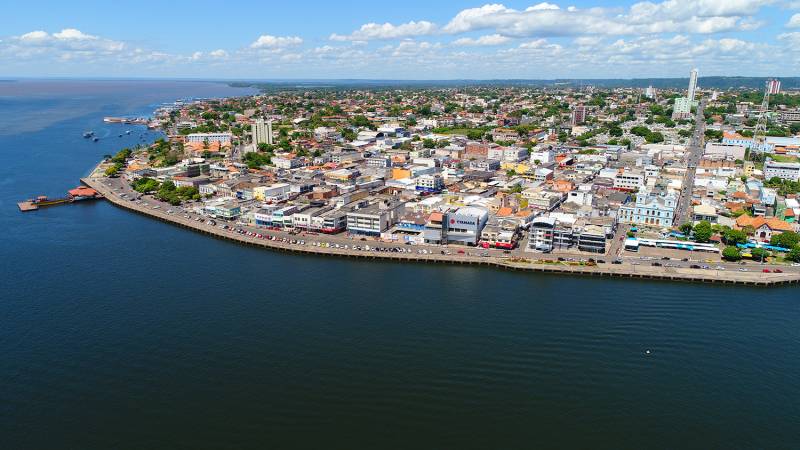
[670,16]
[794,21]
[267,41]
[69,43]
[73,34]
[375,31]
[219,53]
[488,40]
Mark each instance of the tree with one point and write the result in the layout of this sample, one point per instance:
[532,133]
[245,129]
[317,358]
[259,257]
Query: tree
[686,228]
[759,254]
[429,143]
[787,239]
[654,137]
[733,237]
[731,254]
[794,254]
[702,231]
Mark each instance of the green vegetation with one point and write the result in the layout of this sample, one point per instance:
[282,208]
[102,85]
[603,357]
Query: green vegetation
[760,254]
[787,239]
[794,254]
[686,228]
[145,185]
[255,160]
[784,187]
[703,232]
[733,237]
[169,193]
[731,254]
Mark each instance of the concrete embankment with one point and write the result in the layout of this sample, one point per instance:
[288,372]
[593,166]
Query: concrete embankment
[604,270]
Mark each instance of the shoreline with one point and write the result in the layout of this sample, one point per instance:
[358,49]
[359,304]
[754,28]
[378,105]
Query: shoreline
[610,271]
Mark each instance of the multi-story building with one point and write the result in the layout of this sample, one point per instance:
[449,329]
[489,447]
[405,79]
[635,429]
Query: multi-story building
[430,183]
[773,86]
[629,180]
[784,171]
[222,138]
[692,85]
[262,131]
[376,218]
[650,209]
[682,108]
[578,115]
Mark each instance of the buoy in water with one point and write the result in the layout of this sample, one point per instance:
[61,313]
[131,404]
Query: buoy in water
[647,352]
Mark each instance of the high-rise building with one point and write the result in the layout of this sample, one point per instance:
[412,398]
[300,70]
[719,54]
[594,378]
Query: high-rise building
[578,115]
[692,85]
[262,131]
[682,109]
[650,92]
[773,86]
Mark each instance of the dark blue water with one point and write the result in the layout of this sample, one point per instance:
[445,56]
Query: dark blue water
[117,331]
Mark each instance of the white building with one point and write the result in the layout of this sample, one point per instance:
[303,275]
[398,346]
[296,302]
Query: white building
[692,85]
[222,138]
[629,180]
[465,225]
[784,171]
[733,151]
[262,131]
[650,209]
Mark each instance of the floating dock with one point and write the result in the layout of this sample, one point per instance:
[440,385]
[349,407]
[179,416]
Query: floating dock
[80,193]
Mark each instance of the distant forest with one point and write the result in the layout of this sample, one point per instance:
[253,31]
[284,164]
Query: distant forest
[721,83]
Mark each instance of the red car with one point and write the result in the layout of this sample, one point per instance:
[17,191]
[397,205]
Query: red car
[766,271]
[777,271]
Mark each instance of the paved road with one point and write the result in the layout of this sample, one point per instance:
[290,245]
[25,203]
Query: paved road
[635,262]
[694,153]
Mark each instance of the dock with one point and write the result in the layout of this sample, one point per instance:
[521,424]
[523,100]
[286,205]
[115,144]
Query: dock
[79,193]
[523,265]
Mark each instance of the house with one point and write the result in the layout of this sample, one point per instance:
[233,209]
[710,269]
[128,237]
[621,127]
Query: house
[764,227]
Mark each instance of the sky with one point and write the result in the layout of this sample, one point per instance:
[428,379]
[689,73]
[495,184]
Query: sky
[411,40]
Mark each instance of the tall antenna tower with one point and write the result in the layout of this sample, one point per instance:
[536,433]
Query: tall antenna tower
[760,132]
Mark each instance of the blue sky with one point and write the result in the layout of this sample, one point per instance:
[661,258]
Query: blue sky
[400,40]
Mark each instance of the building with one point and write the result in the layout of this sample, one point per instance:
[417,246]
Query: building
[262,131]
[376,218]
[692,85]
[560,233]
[222,138]
[578,115]
[464,226]
[274,193]
[650,209]
[682,108]
[430,183]
[629,180]
[548,234]
[784,171]
[734,151]
[773,86]
[763,228]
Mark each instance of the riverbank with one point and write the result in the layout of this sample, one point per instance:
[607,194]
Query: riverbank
[601,270]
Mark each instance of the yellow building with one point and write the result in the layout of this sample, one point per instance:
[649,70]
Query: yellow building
[399,173]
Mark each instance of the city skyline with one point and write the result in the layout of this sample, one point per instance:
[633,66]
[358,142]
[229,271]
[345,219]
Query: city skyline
[416,40]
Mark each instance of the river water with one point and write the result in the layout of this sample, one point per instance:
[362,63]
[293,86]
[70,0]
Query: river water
[117,331]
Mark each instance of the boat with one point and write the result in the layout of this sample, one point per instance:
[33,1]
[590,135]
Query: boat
[88,134]
[96,139]
[128,132]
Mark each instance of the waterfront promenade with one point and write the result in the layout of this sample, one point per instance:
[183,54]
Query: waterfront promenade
[495,259]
